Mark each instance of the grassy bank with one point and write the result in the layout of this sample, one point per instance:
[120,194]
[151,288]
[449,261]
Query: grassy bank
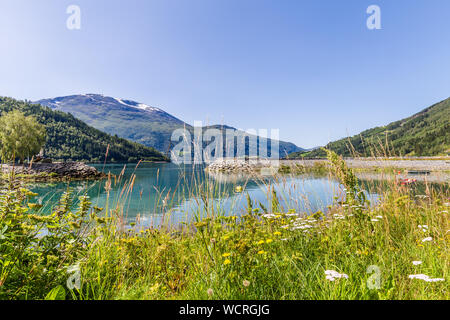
[396,249]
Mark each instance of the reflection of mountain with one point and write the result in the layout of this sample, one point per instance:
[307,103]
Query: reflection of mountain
[305,193]
[233,178]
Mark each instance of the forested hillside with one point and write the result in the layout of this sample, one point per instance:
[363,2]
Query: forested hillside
[426,133]
[71,139]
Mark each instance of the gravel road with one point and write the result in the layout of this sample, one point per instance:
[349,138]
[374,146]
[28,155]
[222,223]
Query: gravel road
[416,164]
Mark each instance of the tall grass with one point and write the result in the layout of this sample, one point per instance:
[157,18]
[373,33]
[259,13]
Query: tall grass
[356,249]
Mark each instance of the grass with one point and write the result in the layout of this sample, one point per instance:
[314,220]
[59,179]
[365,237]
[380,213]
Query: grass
[319,167]
[262,253]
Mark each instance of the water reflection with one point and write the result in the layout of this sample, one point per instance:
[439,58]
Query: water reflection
[163,190]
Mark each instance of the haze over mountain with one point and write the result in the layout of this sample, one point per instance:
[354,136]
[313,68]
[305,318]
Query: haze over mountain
[426,133]
[148,125]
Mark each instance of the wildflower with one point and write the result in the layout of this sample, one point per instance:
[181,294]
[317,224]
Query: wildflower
[379,217]
[261,252]
[260,241]
[227,261]
[29,193]
[362,252]
[226,254]
[238,189]
[277,233]
[269,240]
[210,292]
[302,226]
[332,275]
[330,278]
[424,277]
[447,204]
[374,220]
[200,224]
[246,283]
[427,239]
[416,263]
[435,279]
[34,205]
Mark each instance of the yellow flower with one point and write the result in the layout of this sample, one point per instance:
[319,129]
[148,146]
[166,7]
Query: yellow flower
[260,241]
[34,205]
[200,224]
[238,189]
[277,233]
[269,240]
[227,261]
[261,252]
[227,254]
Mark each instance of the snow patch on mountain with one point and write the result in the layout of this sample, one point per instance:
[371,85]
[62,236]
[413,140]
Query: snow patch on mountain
[137,105]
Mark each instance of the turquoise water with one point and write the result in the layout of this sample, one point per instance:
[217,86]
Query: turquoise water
[167,190]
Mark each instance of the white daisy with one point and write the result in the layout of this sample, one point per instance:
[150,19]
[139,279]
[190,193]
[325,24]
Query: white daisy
[333,275]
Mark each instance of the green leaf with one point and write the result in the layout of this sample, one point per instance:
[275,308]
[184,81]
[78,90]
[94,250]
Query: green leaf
[57,293]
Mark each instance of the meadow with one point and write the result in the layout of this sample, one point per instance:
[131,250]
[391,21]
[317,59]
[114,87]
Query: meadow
[396,248]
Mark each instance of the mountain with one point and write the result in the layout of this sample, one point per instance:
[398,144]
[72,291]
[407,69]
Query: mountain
[426,133]
[127,119]
[131,120]
[69,138]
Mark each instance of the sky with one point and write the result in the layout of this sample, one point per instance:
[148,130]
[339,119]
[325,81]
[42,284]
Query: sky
[311,69]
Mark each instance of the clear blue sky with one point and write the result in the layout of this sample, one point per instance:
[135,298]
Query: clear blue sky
[310,68]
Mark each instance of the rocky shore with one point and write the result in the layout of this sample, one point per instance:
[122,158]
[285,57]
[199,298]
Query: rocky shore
[234,166]
[229,166]
[54,171]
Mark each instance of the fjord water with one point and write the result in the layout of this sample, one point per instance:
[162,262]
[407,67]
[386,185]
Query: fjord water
[149,200]
[171,191]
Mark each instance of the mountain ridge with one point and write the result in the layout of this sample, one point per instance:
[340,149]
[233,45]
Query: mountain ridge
[139,122]
[69,138]
[425,133]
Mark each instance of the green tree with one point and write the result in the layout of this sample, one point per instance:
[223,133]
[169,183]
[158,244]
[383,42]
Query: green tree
[20,136]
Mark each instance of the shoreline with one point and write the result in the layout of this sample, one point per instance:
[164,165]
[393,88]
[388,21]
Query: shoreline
[369,164]
[56,171]
[373,163]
